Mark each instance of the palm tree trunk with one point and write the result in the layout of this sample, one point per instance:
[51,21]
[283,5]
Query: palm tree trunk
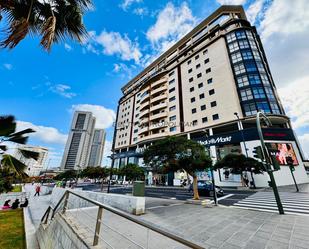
[195,189]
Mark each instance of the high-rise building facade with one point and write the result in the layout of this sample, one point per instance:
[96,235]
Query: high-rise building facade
[208,87]
[97,148]
[77,149]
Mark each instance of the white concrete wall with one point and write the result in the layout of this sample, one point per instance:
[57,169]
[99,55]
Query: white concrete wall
[130,204]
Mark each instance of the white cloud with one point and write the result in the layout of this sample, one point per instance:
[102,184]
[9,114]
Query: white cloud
[107,152]
[295,98]
[127,3]
[67,47]
[104,117]
[43,133]
[232,2]
[62,90]
[113,43]
[285,31]
[172,24]
[8,66]
[254,10]
[141,11]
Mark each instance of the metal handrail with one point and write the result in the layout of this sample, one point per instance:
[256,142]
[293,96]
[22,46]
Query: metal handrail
[121,214]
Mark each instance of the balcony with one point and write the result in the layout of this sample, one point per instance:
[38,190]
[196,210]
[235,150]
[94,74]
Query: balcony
[158,107]
[143,130]
[159,115]
[160,97]
[144,113]
[159,82]
[143,106]
[158,125]
[158,90]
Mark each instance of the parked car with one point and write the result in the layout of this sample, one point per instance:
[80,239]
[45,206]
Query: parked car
[206,188]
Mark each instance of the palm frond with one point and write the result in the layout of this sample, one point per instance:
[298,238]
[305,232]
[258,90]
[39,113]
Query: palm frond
[23,132]
[12,164]
[17,32]
[7,125]
[18,139]
[30,154]
[48,33]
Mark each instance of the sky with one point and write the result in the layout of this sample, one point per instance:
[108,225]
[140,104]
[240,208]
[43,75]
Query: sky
[43,90]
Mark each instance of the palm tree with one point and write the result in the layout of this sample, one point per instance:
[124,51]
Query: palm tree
[53,20]
[8,138]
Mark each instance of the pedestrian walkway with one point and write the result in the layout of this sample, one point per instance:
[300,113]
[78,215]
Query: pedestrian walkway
[293,203]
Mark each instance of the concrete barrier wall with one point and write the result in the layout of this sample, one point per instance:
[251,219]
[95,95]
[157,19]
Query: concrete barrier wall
[58,235]
[130,204]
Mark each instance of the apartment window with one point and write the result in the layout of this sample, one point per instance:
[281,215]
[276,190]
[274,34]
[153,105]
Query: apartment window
[213,103]
[136,130]
[190,70]
[263,106]
[193,100]
[260,67]
[172,118]
[252,44]
[269,92]
[205,51]
[211,92]
[208,70]
[194,122]
[249,34]
[209,81]
[231,37]
[171,81]
[198,66]
[202,95]
[171,90]
[193,110]
[203,107]
[137,115]
[275,108]
[250,109]
[239,68]
[233,46]
[197,56]
[250,66]
[200,85]
[189,62]
[199,75]
[247,55]
[206,60]
[173,128]
[254,79]
[191,89]
[264,79]
[171,73]
[242,81]
[240,34]
[215,117]
[246,94]
[243,44]
[204,120]
[135,139]
[172,108]
[256,54]
[258,92]
[191,79]
[236,57]
[172,99]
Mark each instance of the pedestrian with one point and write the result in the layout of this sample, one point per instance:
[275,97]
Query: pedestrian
[6,205]
[25,204]
[15,204]
[37,190]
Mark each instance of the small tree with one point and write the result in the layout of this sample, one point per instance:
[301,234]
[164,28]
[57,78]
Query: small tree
[239,163]
[67,175]
[94,173]
[178,153]
[131,171]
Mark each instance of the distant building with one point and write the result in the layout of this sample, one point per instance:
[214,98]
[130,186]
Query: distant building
[77,149]
[97,148]
[34,167]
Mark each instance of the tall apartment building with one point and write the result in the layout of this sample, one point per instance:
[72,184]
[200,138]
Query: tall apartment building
[77,149]
[197,88]
[97,148]
[34,167]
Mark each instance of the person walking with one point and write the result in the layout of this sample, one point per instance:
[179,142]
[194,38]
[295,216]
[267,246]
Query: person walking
[37,190]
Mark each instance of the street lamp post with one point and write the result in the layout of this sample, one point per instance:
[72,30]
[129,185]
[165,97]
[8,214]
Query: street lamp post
[244,141]
[111,172]
[268,159]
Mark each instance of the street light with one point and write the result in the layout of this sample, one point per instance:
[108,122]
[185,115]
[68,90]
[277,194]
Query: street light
[111,172]
[268,160]
[244,141]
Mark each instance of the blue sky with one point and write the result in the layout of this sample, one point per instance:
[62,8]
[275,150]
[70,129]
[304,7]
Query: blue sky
[42,89]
